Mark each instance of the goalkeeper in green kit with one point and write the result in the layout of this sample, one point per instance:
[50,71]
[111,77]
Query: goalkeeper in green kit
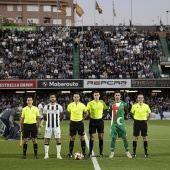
[117,110]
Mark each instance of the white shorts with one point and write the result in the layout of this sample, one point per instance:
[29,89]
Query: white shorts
[49,131]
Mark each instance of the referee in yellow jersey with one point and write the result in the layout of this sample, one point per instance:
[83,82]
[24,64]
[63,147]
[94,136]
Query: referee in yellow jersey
[28,124]
[75,112]
[96,108]
[141,113]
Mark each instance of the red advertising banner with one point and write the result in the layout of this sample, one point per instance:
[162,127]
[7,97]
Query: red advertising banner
[18,84]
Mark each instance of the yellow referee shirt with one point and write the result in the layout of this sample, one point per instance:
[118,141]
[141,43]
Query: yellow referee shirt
[76,111]
[30,114]
[96,109]
[140,111]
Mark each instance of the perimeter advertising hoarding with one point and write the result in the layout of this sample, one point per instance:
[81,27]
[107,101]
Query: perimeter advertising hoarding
[18,84]
[60,84]
[161,83]
[107,83]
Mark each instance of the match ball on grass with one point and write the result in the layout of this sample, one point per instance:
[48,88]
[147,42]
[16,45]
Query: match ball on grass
[78,155]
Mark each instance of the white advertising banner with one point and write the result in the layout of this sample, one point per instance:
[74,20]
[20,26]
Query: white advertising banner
[107,83]
[156,116]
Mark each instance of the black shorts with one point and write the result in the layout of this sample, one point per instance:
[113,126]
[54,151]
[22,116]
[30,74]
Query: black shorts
[140,126]
[30,130]
[96,124]
[76,127]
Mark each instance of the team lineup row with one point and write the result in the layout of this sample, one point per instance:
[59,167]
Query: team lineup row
[77,112]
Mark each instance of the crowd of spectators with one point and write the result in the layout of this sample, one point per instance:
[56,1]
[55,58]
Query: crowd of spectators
[121,53]
[35,55]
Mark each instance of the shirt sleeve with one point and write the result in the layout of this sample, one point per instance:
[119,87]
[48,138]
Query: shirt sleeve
[84,108]
[148,110]
[60,109]
[88,106]
[104,106]
[68,108]
[23,113]
[132,109]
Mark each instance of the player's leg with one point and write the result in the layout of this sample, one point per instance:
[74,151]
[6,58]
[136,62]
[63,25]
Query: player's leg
[100,130]
[72,138]
[82,139]
[123,134]
[26,135]
[144,133]
[57,134]
[126,146]
[46,148]
[92,131]
[136,130]
[47,136]
[113,134]
[34,139]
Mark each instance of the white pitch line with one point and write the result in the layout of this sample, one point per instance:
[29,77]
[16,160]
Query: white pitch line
[94,160]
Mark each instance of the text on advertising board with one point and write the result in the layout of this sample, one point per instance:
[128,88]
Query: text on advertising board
[60,84]
[105,83]
[17,84]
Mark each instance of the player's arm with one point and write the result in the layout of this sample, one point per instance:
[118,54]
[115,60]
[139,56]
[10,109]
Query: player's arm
[68,114]
[149,114]
[68,111]
[21,123]
[104,110]
[61,116]
[38,118]
[132,111]
[86,113]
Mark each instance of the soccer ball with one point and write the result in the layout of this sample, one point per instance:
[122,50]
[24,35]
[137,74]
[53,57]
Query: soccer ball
[78,155]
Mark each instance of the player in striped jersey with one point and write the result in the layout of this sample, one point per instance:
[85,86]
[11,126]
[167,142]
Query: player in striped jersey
[53,114]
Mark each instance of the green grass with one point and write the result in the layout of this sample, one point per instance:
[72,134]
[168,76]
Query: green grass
[159,151]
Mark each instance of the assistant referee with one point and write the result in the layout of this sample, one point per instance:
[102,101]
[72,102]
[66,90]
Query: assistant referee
[141,113]
[28,124]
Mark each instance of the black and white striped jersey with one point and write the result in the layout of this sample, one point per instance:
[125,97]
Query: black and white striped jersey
[53,115]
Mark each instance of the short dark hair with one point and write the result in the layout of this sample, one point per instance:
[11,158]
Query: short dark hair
[76,93]
[96,92]
[29,96]
[51,94]
[117,91]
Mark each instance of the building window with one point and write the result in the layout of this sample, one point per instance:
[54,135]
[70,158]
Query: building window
[47,8]
[10,8]
[55,9]
[68,22]
[68,10]
[32,21]
[19,8]
[32,8]
[57,21]
[46,20]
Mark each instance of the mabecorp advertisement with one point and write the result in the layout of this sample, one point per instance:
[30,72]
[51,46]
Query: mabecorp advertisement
[60,84]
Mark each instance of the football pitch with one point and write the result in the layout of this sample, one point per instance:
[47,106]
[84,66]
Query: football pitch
[158,149]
